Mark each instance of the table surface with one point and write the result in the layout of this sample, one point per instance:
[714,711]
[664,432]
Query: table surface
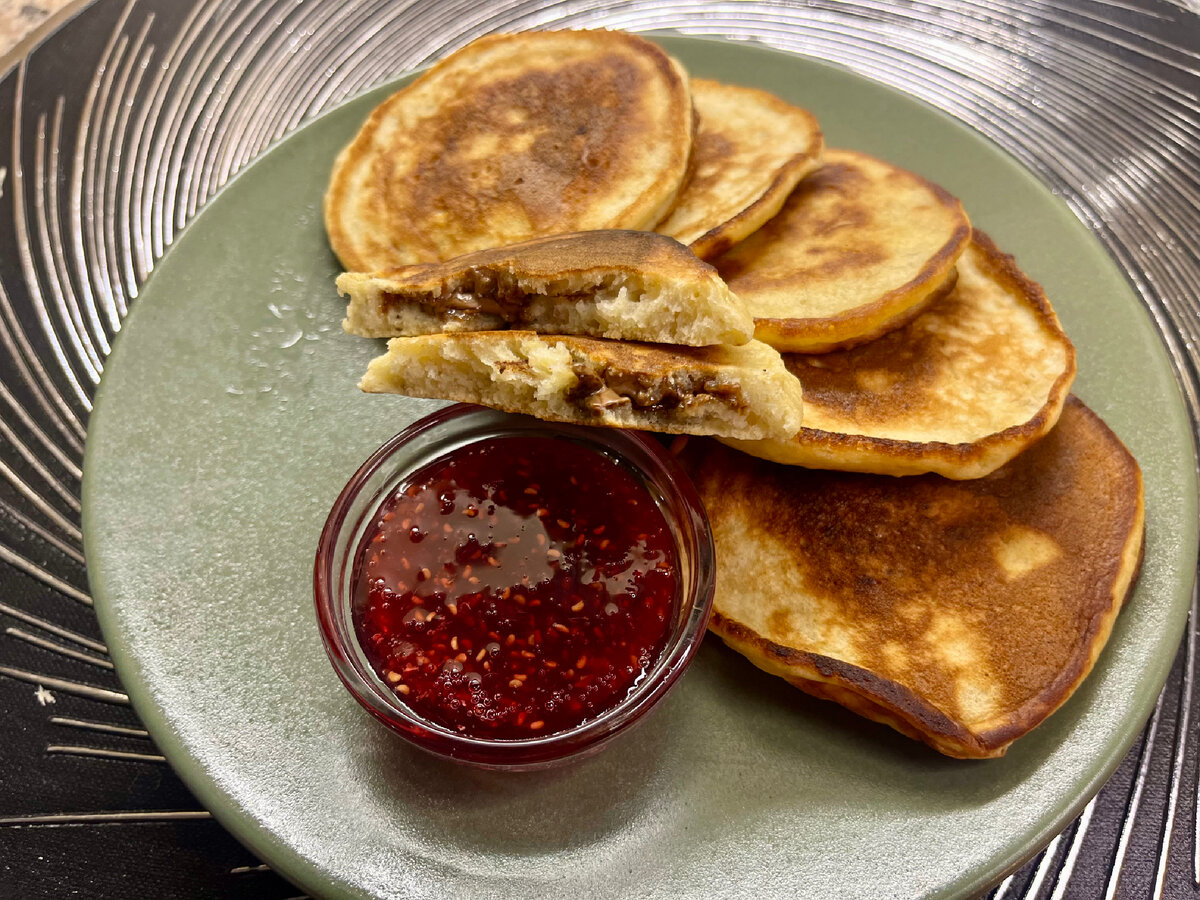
[19,18]
[81,783]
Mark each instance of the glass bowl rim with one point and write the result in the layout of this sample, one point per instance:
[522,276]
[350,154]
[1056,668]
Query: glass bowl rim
[677,500]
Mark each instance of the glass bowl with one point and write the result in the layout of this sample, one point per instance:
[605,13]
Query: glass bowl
[435,437]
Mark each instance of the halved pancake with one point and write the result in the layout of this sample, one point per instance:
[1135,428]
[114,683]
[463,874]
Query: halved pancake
[694,390]
[512,137]
[855,251]
[750,151]
[961,614]
[631,285]
[964,387]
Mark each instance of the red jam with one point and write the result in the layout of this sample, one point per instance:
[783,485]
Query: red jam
[515,588]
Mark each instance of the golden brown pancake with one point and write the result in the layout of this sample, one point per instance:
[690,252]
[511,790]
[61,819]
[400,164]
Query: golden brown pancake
[853,253]
[692,390]
[961,614]
[630,285]
[512,137]
[750,151]
[961,389]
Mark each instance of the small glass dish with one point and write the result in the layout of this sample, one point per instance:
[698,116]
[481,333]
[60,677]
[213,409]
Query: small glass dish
[433,438]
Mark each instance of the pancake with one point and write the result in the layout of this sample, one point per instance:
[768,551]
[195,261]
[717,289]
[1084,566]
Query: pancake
[750,151]
[962,614]
[693,390]
[512,137]
[631,285]
[960,390]
[853,253]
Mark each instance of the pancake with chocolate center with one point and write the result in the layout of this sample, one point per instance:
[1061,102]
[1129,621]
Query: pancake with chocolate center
[513,137]
[964,387]
[750,151]
[855,251]
[629,285]
[962,614]
[724,390]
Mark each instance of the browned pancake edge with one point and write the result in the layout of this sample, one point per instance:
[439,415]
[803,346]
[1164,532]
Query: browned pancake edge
[1088,450]
[886,313]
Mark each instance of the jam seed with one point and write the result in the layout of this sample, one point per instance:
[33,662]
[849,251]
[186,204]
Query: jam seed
[531,490]
[402,689]
[610,651]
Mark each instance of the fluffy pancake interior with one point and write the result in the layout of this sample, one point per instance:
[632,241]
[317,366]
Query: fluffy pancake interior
[628,285]
[707,390]
[963,613]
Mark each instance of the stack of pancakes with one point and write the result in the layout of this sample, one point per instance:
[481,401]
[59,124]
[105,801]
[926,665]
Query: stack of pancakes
[564,224]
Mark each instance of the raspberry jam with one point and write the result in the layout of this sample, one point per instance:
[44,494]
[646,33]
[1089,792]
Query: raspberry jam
[516,587]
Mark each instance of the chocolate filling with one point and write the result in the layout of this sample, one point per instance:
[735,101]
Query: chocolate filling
[478,292]
[610,387]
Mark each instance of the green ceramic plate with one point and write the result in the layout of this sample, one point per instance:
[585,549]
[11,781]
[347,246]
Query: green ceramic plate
[228,420]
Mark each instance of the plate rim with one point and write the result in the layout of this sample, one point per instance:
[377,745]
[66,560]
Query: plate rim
[301,869]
